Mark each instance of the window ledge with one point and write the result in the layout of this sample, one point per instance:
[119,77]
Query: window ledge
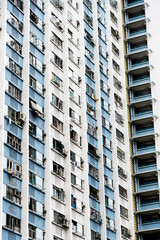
[58,200]
[77,211]
[81,190]
[57,129]
[62,178]
[57,86]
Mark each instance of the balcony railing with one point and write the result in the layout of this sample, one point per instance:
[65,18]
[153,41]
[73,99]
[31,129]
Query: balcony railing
[142,114]
[139,81]
[132,3]
[143,132]
[145,150]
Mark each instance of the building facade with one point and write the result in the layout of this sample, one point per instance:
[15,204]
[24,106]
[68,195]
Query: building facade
[79,120]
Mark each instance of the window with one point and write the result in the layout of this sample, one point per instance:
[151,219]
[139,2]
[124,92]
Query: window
[57,60]
[115,34]
[92,130]
[13,168]
[32,204]
[107,161]
[58,169]
[117,83]
[35,180]
[58,4]
[94,192]
[13,141]
[73,57]
[104,104]
[93,171]
[76,181]
[125,232]
[90,91]
[57,41]
[58,193]
[120,154]
[103,69]
[110,224]
[95,235]
[116,66]
[57,124]
[15,68]
[73,20]
[91,110]
[18,25]
[109,202]
[88,3]
[15,45]
[56,21]
[74,96]
[75,116]
[77,161]
[106,142]
[60,219]
[104,87]
[113,17]
[121,172]
[74,136]
[119,135]
[36,42]
[119,118]
[36,20]
[37,132]
[57,81]
[57,102]
[13,223]
[115,49]
[13,195]
[35,84]
[32,232]
[123,211]
[36,63]
[122,192]
[18,4]
[88,19]
[35,155]
[58,146]
[90,72]
[108,182]
[105,123]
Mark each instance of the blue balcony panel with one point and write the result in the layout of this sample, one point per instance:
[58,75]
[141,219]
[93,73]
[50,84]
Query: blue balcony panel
[88,28]
[134,3]
[141,115]
[13,103]
[13,155]
[11,209]
[91,101]
[36,74]
[14,56]
[102,27]
[103,60]
[143,132]
[37,169]
[105,114]
[87,10]
[106,133]
[144,150]
[102,43]
[135,19]
[104,78]
[37,32]
[36,194]
[101,10]
[15,11]
[138,65]
[13,128]
[35,51]
[37,11]
[111,234]
[147,187]
[105,96]
[91,120]
[36,144]
[7,235]
[93,161]
[149,226]
[92,140]
[136,34]
[94,204]
[109,193]
[149,206]
[38,98]
[108,172]
[11,181]
[36,221]
[93,182]
[89,45]
[139,81]
[39,122]
[110,213]
[107,152]
[89,63]
[146,168]
[95,226]
[11,77]
[138,49]
[14,33]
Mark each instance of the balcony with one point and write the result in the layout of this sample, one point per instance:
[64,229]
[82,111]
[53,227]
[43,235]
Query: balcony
[16,24]
[142,113]
[133,3]
[149,206]
[145,164]
[145,150]
[136,31]
[143,132]
[149,221]
[139,81]
[147,182]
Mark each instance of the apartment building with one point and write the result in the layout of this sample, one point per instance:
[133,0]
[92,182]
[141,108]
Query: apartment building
[79,120]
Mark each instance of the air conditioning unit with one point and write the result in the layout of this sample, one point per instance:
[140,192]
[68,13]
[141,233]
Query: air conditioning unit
[79,80]
[17,193]
[43,47]
[65,223]
[22,117]
[43,68]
